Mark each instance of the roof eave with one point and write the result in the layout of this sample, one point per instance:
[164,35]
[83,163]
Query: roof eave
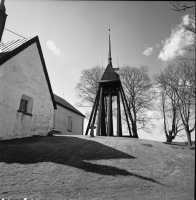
[69,109]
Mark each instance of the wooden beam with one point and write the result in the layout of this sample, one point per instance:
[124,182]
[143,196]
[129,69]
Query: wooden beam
[133,128]
[126,113]
[96,107]
[100,112]
[119,124]
[103,125]
[92,112]
[106,113]
[110,120]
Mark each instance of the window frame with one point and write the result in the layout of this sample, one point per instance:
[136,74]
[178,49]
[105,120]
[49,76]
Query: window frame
[29,105]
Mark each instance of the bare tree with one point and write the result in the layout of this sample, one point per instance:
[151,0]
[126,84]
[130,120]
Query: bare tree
[169,109]
[138,90]
[87,87]
[180,77]
[182,5]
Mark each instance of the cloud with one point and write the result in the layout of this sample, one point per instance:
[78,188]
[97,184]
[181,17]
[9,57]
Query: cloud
[148,51]
[176,44]
[157,45]
[185,20]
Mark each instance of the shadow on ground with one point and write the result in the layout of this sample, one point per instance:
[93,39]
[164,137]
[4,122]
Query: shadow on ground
[71,151]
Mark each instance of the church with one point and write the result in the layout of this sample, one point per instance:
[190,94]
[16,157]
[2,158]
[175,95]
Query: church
[26,98]
[28,106]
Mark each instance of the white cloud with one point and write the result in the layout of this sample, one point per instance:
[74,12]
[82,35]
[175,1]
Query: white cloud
[148,51]
[157,45]
[177,42]
[185,20]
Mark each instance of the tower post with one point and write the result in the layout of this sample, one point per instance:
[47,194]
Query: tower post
[125,113]
[119,124]
[103,122]
[110,120]
[100,112]
[93,110]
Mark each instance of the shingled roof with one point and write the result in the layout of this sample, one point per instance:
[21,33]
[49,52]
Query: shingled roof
[10,49]
[11,45]
[62,102]
[109,74]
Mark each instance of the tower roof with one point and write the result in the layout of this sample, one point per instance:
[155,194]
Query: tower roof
[109,74]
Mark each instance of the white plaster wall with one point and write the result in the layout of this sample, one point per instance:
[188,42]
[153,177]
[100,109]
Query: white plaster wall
[23,74]
[61,121]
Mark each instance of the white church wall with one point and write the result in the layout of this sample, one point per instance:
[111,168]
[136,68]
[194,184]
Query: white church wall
[61,121]
[23,75]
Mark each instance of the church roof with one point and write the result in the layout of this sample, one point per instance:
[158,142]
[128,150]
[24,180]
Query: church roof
[11,45]
[10,49]
[62,102]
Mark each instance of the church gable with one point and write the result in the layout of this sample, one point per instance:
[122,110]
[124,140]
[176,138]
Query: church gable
[11,49]
[26,98]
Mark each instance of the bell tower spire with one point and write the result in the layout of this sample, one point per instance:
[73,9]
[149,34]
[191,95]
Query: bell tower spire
[109,54]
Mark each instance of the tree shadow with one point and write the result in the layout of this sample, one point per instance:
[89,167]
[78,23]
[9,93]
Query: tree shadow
[65,150]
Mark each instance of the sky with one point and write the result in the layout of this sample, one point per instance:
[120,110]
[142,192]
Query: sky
[74,37]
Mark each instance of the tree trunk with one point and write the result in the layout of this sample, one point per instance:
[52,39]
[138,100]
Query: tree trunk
[169,138]
[134,130]
[189,137]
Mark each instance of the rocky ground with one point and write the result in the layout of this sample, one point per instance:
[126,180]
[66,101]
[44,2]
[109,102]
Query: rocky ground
[79,167]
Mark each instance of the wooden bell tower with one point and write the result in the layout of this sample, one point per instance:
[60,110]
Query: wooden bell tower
[109,86]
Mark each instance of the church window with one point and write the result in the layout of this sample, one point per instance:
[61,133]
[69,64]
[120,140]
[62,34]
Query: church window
[26,105]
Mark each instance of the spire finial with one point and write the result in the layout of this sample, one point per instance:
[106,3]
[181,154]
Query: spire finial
[109,55]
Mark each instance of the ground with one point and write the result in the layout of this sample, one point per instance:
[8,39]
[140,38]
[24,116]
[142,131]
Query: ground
[79,167]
